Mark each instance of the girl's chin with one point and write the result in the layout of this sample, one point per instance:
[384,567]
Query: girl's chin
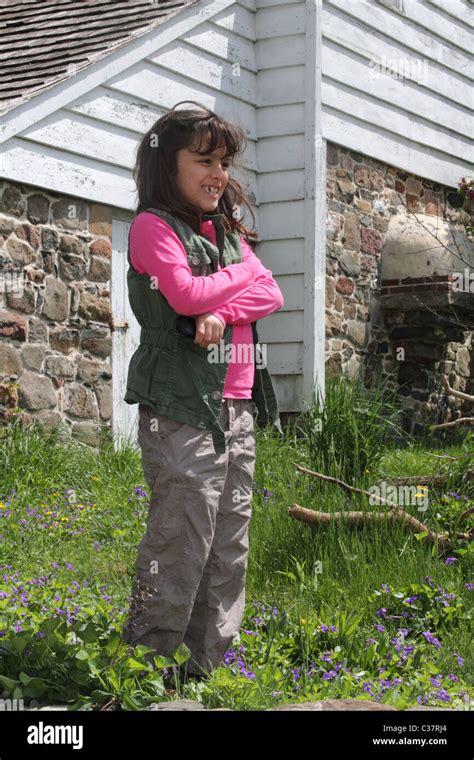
[212,203]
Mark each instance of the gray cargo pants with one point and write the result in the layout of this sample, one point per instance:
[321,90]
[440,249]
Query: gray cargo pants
[189,582]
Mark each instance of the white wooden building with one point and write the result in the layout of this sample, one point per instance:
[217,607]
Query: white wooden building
[294,75]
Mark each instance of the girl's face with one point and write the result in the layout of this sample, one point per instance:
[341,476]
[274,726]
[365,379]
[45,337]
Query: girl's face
[202,179]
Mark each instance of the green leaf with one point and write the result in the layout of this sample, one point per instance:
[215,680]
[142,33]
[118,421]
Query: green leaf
[113,680]
[19,644]
[9,683]
[100,696]
[87,631]
[181,654]
[83,654]
[25,679]
[130,702]
[133,664]
[160,662]
[157,684]
[112,646]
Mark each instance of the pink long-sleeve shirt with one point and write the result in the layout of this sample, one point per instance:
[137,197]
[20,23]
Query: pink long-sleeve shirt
[234,294]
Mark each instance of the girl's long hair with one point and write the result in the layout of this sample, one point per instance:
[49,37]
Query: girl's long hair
[155,170]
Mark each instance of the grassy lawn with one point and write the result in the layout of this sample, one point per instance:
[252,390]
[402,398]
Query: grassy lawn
[370,612]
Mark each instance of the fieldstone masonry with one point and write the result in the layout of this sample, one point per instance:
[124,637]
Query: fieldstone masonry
[390,305]
[396,248]
[55,313]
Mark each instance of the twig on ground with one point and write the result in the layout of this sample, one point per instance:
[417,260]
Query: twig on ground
[413,525]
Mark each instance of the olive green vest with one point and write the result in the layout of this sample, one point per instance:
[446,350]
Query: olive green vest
[168,371]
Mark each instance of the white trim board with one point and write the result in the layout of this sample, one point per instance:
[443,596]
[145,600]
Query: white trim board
[124,421]
[314,210]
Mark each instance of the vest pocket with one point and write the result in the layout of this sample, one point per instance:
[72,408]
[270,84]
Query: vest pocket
[199,263]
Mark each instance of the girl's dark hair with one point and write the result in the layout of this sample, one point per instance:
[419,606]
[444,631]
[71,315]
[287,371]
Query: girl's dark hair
[155,169]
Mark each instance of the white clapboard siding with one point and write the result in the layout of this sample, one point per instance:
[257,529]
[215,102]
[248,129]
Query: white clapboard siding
[282,220]
[67,173]
[271,3]
[287,360]
[280,20]
[124,341]
[292,288]
[392,119]
[421,40]
[370,46]
[281,185]
[103,105]
[237,19]
[280,58]
[249,4]
[282,256]
[282,85]
[454,8]
[274,52]
[370,140]
[280,153]
[411,97]
[289,391]
[163,87]
[421,123]
[76,133]
[281,327]
[204,68]
[440,23]
[223,43]
[280,120]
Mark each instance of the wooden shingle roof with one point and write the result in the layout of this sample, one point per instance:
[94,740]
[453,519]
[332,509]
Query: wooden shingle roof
[43,42]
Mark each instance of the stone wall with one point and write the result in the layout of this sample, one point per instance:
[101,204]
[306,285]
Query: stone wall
[413,329]
[55,268]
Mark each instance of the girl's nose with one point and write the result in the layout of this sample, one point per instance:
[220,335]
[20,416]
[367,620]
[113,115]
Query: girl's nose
[220,174]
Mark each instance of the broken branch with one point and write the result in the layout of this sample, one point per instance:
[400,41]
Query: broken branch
[338,482]
[413,525]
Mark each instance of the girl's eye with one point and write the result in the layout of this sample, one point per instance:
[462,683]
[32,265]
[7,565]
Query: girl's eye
[208,160]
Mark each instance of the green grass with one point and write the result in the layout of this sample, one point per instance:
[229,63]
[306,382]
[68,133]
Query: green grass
[299,577]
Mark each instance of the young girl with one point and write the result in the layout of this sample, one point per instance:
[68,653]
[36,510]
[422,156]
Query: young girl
[188,257]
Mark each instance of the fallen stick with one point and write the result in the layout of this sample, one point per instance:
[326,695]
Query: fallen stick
[338,482]
[452,392]
[457,394]
[418,479]
[310,516]
[446,456]
[461,420]
[466,514]
[414,479]
[426,479]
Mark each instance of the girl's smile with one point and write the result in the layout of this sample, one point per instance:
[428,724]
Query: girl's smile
[202,179]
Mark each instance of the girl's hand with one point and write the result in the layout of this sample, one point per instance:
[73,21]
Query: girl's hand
[209,329]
